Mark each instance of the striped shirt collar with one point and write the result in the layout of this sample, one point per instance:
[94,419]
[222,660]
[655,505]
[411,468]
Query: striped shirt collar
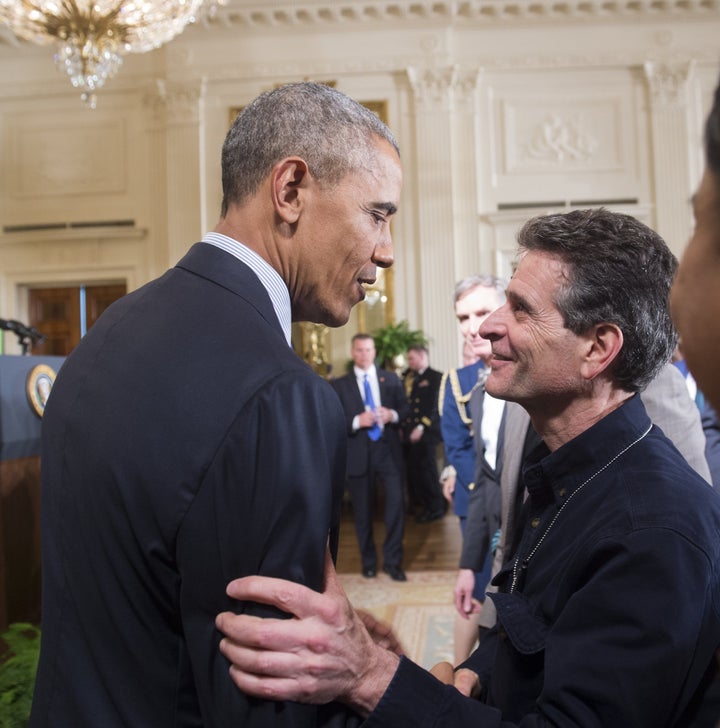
[268,276]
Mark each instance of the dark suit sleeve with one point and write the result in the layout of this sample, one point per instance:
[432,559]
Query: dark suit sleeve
[267,505]
[434,415]
[415,698]
[349,395]
[394,396]
[477,536]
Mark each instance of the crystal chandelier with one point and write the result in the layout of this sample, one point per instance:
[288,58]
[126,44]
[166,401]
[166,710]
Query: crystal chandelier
[91,36]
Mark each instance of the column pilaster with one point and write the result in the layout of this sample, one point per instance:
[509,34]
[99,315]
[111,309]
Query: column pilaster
[177,108]
[670,120]
[447,245]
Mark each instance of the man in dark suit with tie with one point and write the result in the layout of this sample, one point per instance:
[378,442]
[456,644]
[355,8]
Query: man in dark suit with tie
[185,443]
[375,405]
[422,435]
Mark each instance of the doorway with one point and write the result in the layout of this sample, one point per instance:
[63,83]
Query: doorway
[63,315]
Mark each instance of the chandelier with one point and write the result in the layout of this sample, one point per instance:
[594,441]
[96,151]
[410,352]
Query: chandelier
[91,36]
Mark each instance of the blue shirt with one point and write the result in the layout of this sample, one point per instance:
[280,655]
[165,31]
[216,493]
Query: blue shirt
[616,617]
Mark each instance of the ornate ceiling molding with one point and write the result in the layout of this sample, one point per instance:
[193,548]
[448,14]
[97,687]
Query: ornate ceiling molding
[333,13]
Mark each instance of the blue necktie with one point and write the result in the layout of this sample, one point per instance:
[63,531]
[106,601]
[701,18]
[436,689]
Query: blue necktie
[374,432]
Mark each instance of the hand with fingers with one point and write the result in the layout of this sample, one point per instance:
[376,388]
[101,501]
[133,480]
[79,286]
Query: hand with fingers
[465,604]
[324,652]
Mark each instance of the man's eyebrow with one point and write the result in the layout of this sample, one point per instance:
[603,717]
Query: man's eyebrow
[517,298]
[387,207]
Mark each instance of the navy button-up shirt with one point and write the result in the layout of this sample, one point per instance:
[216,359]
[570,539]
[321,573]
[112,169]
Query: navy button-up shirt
[609,610]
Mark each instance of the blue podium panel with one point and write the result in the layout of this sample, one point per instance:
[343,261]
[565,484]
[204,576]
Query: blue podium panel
[25,383]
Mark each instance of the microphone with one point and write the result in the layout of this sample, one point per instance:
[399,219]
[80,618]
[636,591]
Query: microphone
[20,330]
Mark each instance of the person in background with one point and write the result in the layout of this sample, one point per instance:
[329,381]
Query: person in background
[696,293]
[708,415]
[375,405]
[423,436]
[609,612]
[468,437]
[695,300]
[185,441]
[448,476]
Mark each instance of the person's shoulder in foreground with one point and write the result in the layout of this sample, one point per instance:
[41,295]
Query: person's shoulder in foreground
[187,443]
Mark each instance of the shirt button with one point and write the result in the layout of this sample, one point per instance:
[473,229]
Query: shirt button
[535,522]
[561,492]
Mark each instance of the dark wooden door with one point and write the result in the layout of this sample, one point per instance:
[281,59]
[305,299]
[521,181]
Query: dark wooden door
[62,315]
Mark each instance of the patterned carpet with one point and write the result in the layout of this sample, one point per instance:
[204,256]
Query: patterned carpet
[420,610]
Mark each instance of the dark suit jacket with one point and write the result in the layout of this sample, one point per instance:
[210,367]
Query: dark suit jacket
[184,445]
[484,503]
[423,402]
[392,395]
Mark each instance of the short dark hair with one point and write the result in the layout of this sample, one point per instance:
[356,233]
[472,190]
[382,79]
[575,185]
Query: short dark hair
[420,348]
[712,134]
[618,271]
[362,336]
[333,133]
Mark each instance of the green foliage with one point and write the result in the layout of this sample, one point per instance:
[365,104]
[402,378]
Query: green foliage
[394,339]
[18,664]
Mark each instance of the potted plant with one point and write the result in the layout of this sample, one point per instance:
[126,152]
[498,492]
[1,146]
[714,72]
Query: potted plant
[19,652]
[392,342]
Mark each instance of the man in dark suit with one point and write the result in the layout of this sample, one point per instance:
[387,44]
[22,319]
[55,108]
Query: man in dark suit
[375,405]
[185,443]
[422,435]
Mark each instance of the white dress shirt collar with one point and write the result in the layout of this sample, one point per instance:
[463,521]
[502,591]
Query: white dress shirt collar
[268,276]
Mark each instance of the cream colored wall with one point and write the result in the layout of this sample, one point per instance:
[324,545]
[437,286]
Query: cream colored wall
[498,118]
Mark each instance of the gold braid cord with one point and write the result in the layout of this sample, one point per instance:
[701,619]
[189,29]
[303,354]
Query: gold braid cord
[461,400]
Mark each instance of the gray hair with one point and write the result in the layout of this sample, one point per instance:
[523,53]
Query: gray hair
[333,133]
[619,271]
[476,281]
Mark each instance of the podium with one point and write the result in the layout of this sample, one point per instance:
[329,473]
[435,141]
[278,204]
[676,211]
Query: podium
[25,383]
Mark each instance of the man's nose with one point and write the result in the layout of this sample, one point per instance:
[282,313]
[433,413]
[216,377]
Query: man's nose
[384,253]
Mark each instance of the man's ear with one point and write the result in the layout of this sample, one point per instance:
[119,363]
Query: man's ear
[287,180]
[601,346]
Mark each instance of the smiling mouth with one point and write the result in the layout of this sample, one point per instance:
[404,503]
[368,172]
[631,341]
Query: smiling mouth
[500,357]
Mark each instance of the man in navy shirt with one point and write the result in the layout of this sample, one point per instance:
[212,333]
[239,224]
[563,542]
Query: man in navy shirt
[608,613]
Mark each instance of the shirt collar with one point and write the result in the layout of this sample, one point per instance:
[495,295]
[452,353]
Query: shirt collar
[360,373]
[268,276]
[570,465]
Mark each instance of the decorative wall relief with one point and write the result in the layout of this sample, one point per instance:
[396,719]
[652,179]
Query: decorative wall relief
[557,140]
[572,137]
[581,136]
